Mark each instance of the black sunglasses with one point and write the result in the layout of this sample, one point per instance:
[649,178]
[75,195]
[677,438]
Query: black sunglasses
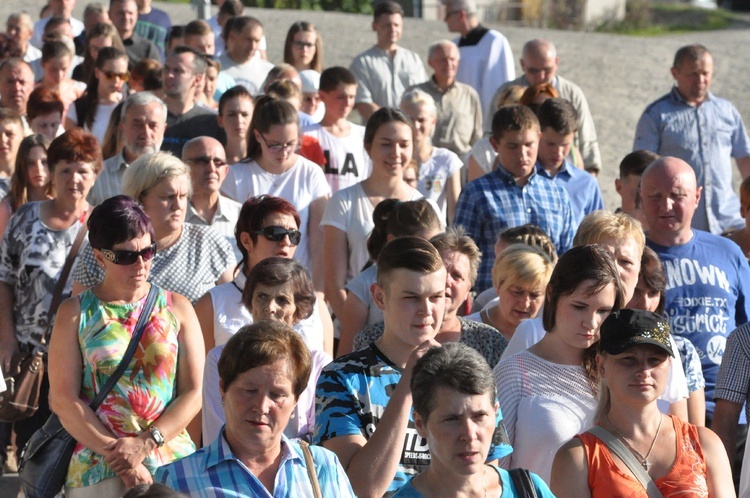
[123,257]
[277,234]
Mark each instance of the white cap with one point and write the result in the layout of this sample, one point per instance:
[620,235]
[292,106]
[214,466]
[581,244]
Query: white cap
[310,80]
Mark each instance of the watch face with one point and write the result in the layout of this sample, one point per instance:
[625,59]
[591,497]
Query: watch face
[157,436]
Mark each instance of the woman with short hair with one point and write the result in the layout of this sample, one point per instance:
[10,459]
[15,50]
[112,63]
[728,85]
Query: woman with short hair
[263,370]
[190,259]
[140,425]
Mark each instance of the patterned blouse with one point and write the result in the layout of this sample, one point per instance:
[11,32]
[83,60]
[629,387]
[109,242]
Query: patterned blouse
[145,389]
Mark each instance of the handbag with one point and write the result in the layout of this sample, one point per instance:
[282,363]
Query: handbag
[24,380]
[311,473]
[46,457]
[619,449]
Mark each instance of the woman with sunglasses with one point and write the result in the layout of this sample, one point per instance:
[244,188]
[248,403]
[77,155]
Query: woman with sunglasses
[141,423]
[273,167]
[100,36]
[104,91]
[267,227]
[190,259]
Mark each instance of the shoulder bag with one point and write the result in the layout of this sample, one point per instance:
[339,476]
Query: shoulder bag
[24,380]
[619,449]
[524,484]
[45,459]
[311,473]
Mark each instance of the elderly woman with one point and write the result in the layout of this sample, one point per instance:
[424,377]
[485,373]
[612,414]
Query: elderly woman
[141,423]
[675,456]
[263,370]
[190,259]
[277,289]
[33,252]
[461,259]
[519,275]
[454,410]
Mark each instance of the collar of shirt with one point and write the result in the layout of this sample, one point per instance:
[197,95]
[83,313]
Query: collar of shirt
[678,98]
[563,170]
[509,179]
[118,163]
[219,215]
[219,452]
[472,37]
[433,83]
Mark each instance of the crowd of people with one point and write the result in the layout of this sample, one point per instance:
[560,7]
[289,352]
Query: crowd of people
[367,281]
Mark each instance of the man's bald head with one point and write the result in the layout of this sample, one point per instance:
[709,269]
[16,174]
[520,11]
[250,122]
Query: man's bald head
[670,196]
[208,164]
[443,57]
[16,84]
[539,61]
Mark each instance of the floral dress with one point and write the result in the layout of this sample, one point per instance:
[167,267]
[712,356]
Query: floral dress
[142,393]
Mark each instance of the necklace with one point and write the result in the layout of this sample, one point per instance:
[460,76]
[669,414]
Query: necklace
[644,459]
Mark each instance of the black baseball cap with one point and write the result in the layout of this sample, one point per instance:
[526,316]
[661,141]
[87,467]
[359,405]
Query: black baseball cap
[626,328]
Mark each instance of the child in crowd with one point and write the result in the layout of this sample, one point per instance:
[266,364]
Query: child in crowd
[558,120]
[44,113]
[631,169]
[742,236]
[514,194]
[364,399]
[342,142]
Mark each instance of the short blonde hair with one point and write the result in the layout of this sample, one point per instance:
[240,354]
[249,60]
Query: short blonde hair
[521,264]
[150,169]
[601,226]
[421,98]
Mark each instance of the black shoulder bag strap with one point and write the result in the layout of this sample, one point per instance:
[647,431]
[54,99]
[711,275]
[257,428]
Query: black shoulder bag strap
[148,307]
[523,483]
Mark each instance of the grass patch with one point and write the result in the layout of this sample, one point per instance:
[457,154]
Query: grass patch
[644,18]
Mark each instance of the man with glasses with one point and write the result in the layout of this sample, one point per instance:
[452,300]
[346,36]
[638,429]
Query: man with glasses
[142,124]
[539,63]
[208,168]
[486,58]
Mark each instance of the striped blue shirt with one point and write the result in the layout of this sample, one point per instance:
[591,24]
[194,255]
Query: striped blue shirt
[214,471]
[495,202]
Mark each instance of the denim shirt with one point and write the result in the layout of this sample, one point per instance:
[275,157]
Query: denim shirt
[707,137]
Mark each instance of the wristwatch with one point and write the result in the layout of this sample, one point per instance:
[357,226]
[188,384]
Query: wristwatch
[157,436]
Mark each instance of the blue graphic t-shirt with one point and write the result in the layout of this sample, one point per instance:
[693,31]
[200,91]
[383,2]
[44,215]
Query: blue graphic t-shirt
[351,396]
[706,296]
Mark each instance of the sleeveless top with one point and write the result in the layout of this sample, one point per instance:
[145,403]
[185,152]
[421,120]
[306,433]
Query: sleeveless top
[143,391]
[686,478]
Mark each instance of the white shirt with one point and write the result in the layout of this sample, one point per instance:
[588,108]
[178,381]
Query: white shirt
[531,331]
[250,74]
[223,222]
[347,162]
[301,185]
[435,173]
[486,65]
[36,38]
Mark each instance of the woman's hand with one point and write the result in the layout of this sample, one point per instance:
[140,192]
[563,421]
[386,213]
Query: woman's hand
[127,453]
[136,476]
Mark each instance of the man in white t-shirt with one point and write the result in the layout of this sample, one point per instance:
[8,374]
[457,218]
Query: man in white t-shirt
[342,142]
[243,38]
[61,8]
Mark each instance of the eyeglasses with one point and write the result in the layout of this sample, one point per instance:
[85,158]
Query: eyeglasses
[124,257]
[450,13]
[206,160]
[110,75]
[276,148]
[301,44]
[277,234]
